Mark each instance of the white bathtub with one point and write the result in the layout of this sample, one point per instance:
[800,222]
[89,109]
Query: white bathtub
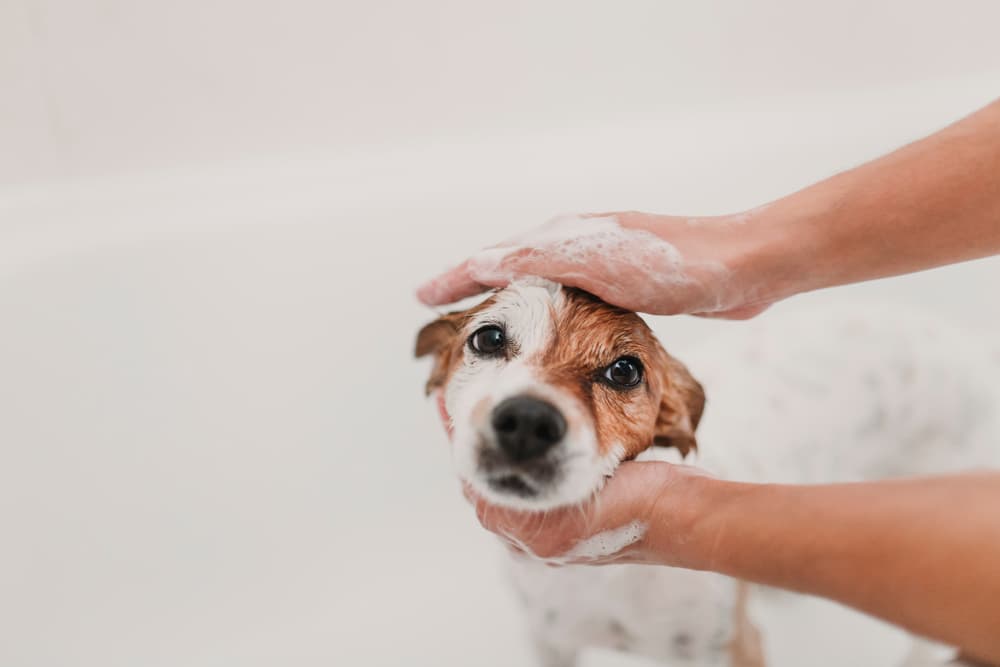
[213,445]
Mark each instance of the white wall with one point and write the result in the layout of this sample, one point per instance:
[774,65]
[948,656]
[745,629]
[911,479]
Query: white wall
[95,86]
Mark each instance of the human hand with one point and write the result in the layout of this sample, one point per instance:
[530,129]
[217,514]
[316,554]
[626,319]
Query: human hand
[646,513]
[650,263]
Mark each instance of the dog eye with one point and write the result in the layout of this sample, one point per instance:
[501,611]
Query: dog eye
[625,372]
[488,341]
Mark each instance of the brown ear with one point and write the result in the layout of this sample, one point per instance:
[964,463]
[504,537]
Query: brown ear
[681,406]
[438,338]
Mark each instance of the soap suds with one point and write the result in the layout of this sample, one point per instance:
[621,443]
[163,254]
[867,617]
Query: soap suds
[603,546]
[606,544]
[575,241]
[595,253]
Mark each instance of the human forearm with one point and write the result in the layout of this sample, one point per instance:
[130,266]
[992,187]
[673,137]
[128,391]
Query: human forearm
[933,202]
[919,553]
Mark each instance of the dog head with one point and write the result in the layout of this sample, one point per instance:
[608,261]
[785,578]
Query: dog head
[549,388]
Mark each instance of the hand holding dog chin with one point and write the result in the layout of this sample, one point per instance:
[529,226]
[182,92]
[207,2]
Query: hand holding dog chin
[657,264]
[649,507]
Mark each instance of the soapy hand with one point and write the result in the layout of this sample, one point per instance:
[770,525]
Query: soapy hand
[642,515]
[651,263]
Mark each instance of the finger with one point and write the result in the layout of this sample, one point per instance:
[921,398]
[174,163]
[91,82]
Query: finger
[515,549]
[469,494]
[494,268]
[741,313]
[442,408]
[453,285]
[490,516]
[485,512]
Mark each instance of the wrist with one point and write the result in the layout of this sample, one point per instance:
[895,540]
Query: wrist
[700,517]
[731,261]
[802,242]
[680,517]
[774,256]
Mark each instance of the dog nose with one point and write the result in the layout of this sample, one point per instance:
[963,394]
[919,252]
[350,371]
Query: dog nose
[527,427]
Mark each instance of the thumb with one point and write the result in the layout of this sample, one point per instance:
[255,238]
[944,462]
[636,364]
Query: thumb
[453,285]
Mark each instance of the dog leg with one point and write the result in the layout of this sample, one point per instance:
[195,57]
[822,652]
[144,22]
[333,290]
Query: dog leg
[746,648]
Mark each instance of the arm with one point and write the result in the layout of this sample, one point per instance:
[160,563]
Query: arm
[923,554]
[934,202]
[920,553]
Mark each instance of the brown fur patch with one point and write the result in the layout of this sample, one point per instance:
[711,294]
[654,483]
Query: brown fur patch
[589,336]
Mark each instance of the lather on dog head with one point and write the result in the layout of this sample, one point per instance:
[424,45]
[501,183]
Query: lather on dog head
[549,388]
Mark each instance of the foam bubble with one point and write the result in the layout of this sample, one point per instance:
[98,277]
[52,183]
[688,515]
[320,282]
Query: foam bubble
[606,544]
[630,267]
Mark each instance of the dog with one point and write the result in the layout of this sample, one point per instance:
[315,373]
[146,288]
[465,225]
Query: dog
[548,389]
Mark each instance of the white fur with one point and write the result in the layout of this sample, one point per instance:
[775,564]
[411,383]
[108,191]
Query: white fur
[845,394]
[839,395]
[667,614]
[525,310]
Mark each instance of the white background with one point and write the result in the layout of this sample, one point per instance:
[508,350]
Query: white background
[213,448]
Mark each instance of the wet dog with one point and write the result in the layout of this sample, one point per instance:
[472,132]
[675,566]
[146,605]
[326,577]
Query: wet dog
[548,389]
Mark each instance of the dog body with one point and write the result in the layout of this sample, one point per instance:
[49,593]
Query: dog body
[669,615]
[842,395]
[848,393]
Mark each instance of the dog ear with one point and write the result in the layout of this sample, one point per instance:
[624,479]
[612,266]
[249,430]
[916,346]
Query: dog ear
[681,405]
[438,338]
